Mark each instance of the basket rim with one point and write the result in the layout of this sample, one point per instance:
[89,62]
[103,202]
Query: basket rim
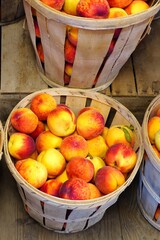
[72,203]
[90,23]
[147,145]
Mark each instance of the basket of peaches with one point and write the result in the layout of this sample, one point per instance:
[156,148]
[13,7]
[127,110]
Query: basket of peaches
[72,153]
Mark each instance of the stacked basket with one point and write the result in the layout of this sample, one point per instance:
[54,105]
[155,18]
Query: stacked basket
[92,67]
[149,185]
[63,215]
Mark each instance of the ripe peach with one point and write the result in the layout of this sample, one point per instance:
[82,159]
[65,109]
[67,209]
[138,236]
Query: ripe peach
[53,160]
[47,140]
[24,120]
[136,7]
[34,155]
[153,127]
[37,30]
[61,121]
[62,177]
[121,156]
[68,68]
[158,112]
[94,191]
[42,104]
[72,34]
[97,163]
[108,179]
[56,4]
[66,79]
[119,3]
[116,12]
[80,167]
[70,6]
[32,171]
[39,129]
[157,213]
[75,189]
[69,51]
[97,147]
[40,51]
[73,146]
[157,140]
[21,145]
[120,134]
[104,133]
[86,109]
[156,150]
[90,124]
[51,187]
[93,8]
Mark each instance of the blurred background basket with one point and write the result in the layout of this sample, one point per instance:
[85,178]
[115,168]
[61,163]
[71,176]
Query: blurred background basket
[92,67]
[1,139]
[11,11]
[148,194]
[62,215]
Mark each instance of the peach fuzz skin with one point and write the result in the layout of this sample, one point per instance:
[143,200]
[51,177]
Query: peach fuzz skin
[56,4]
[93,8]
[61,121]
[75,189]
[79,167]
[108,179]
[74,145]
[122,157]
[51,187]
[72,34]
[90,124]
[69,51]
[32,171]
[119,3]
[153,127]
[42,104]
[39,129]
[21,145]
[24,120]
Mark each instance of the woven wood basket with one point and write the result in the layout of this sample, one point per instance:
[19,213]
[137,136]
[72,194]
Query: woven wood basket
[149,184]
[1,139]
[92,67]
[11,11]
[62,215]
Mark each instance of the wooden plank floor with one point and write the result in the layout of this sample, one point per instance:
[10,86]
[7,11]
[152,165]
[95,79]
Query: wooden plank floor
[136,85]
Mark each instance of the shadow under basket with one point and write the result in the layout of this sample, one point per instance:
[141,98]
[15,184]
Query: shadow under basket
[67,216]
[103,45]
[148,194]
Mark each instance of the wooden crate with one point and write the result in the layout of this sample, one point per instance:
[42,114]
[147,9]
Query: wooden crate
[149,188]
[92,67]
[67,215]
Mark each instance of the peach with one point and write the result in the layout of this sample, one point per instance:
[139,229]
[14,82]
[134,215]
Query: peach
[116,12]
[67,79]
[80,167]
[70,6]
[34,155]
[61,121]
[156,150]
[120,134]
[117,33]
[97,147]
[24,120]
[157,140]
[53,160]
[93,8]
[37,30]
[47,140]
[73,146]
[94,191]
[157,213]
[56,4]
[97,163]
[108,179]
[153,127]
[68,68]
[90,124]
[42,104]
[136,7]
[39,129]
[72,34]
[119,3]
[32,171]
[33,10]
[121,156]
[21,145]
[75,189]
[40,51]
[62,177]
[86,109]
[69,51]
[51,187]
[104,132]
[158,112]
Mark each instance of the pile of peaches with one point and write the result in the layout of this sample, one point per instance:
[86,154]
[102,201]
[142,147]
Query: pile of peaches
[68,155]
[154,132]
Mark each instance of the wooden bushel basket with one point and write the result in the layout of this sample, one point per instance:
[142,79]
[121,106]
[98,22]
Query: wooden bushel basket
[148,193]
[11,11]
[92,67]
[1,139]
[63,215]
